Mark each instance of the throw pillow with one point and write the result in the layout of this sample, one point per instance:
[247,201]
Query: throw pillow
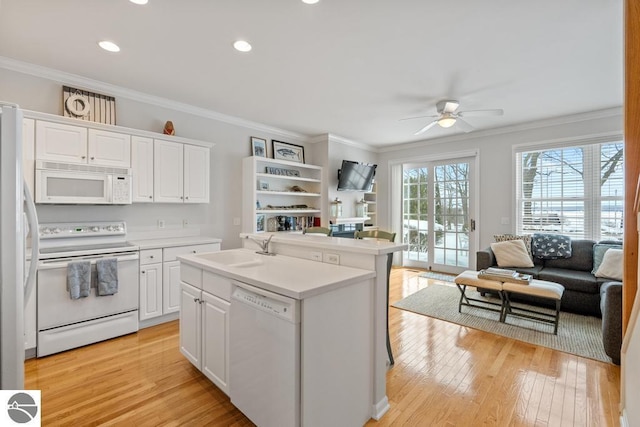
[611,267]
[511,253]
[599,249]
[551,246]
[526,238]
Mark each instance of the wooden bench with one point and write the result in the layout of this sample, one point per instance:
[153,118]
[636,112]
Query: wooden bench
[539,288]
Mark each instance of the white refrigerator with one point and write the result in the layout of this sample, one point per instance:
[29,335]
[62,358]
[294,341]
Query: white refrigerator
[17,214]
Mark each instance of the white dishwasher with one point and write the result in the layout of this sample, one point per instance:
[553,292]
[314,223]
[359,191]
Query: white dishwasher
[264,356]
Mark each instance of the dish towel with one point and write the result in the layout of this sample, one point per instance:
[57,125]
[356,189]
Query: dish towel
[107,269]
[79,279]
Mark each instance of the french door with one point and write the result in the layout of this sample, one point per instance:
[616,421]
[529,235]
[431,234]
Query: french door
[438,214]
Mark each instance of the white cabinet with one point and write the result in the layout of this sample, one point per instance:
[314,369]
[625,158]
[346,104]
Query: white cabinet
[279,195]
[181,173]
[142,169]
[204,325]
[160,278]
[150,283]
[76,144]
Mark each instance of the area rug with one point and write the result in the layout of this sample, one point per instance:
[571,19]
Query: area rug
[438,276]
[580,335]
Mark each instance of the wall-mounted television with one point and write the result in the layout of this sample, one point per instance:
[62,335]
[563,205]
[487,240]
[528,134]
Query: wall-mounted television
[356,176]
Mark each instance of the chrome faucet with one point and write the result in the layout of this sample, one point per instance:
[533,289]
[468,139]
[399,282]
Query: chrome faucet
[264,244]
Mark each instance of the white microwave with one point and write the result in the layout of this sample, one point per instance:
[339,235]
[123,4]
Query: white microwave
[63,183]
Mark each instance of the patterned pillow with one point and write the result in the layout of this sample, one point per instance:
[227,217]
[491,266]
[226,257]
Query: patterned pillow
[526,238]
[551,246]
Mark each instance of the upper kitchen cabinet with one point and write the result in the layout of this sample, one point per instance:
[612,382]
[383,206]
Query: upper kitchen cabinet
[181,172]
[77,144]
[142,169]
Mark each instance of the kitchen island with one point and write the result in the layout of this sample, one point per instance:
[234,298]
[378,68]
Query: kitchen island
[290,340]
[365,254]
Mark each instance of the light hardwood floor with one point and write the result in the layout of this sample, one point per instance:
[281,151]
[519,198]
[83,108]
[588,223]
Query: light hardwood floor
[445,375]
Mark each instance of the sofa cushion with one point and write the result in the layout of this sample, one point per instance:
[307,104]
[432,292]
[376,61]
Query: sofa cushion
[573,280]
[599,249]
[581,257]
[551,246]
[611,266]
[526,238]
[511,253]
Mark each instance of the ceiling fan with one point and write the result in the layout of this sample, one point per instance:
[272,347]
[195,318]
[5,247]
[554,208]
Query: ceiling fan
[448,115]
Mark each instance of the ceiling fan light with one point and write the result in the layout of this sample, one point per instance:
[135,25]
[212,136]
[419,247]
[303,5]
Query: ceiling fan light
[446,122]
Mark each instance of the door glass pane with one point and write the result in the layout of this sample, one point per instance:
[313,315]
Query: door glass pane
[415,213]
[451,190]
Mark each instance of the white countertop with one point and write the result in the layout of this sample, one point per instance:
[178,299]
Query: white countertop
[363,246]
[167,242]
[293,277]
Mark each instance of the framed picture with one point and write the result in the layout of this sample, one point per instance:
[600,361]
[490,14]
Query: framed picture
[260,223]
[258,147]
[286,151]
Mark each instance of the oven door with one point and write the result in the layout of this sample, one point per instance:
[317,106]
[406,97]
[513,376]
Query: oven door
[64,187]
[55,306]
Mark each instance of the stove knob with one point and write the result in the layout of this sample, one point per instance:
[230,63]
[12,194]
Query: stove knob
[45,230]
[56,230]
[95,229]
[110,228]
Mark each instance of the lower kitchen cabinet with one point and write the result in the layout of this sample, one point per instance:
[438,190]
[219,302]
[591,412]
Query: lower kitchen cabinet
[160,278]
[204,333]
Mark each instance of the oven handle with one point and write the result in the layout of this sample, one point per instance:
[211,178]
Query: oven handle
[48,265]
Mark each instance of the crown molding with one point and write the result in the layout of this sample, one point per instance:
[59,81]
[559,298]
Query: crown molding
[538,124]
[118,91]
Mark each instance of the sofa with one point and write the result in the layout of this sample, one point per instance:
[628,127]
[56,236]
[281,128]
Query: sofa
[584,292]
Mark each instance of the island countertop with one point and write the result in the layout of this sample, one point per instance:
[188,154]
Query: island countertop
[362,246]
[293,277]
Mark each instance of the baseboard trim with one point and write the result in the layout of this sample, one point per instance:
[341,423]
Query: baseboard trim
[159,320]
[380,408]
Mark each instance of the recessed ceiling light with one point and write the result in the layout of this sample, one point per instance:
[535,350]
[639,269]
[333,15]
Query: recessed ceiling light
[109,46]
[139,1]
[310,1]
[242,46]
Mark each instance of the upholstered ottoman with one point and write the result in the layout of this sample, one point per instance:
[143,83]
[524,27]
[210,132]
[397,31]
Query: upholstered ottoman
[470,278]
[538,288]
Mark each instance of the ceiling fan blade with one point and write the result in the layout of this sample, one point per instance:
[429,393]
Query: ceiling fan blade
[427,127]
[464,126]
[418,117]
[447,106]
[480,113]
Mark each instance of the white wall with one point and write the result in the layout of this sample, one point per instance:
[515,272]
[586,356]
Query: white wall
[495,162]
[231,145]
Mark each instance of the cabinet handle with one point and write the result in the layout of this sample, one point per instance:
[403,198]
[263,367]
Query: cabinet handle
[143,272]
[83,157]
[151,256]
[187,198]
[194,252]
[181,198]
[151,197]
[196,300]
[93,158]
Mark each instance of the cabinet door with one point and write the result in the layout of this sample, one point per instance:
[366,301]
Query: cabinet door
[168,170]
[61,143]
[109,148]
[171,287]
[142,168]
[215,340]
[196,174]
[191,324]
[150,291]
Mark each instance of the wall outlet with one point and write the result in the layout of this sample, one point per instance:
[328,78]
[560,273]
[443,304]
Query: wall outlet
[316,256]
[332,259]
[236,221]
[161,223]
[185,223]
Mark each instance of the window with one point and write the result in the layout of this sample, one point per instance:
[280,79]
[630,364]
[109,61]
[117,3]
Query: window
[576,191]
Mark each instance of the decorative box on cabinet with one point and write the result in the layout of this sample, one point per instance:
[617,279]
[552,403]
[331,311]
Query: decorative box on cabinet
[267,196]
